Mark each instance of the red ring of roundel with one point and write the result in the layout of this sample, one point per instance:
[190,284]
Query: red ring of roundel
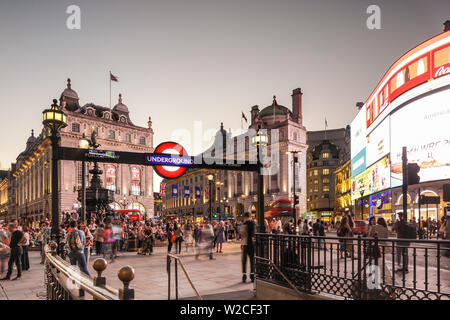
[163,172]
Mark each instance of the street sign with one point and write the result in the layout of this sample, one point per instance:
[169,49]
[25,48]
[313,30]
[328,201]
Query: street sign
[167,155]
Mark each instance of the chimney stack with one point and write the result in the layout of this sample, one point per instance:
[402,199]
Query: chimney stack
[297,105]
[447,26]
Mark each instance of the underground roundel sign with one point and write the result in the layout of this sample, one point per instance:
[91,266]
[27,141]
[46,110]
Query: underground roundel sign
[167,158]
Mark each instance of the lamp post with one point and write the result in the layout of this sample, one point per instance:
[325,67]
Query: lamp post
[294,196]
[260,140]
[83,144]
[210,179]
[54,120]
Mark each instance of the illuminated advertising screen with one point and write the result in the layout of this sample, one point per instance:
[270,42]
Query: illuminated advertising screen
[422,127]
[374,179]
[135,174]
[358,143]
[110,177]
[378,143]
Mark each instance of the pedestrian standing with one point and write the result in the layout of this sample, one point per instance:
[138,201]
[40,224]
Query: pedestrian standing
[178,237]
[76,240]
[247,246]
[98,237]
[147,246]
[89,241]
[108,240]
[404,231]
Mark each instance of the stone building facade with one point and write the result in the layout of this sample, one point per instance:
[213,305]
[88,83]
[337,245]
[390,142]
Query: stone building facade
[238,190]
[132,184]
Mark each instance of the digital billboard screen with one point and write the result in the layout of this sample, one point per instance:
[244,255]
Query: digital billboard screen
[374,179]
[422,127]
[378,142]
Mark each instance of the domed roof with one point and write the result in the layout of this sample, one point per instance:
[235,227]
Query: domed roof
[325,145]
[69,93]
[120,107]
[274,108]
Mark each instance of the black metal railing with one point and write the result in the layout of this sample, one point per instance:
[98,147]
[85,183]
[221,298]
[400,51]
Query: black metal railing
[66,282]
[357,268]
[178,261]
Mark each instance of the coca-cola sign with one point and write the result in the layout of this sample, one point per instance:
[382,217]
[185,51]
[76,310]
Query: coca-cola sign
[442,70]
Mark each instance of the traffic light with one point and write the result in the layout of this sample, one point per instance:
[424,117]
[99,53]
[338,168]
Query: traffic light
[413,170]
[296,200]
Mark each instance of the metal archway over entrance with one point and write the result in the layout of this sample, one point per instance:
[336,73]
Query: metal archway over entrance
[170,165]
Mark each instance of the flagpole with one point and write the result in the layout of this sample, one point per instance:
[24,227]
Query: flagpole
[110,91]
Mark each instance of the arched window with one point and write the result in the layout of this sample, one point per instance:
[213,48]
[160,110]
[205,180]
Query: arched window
[75,127]
[112,134]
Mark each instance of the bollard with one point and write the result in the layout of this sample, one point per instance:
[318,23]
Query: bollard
[53,246]
[99,265]
[126,275]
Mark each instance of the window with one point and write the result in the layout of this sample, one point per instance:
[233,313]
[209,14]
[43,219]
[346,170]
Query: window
[316,172]
[310,173]
[75,127]
[142,140]
[325,155]
[316,181]
[325,171]
[295,136]
[112,134]
[316,189]
[326,188]
[325,181]
[135,181]
[127,137]
[111,177]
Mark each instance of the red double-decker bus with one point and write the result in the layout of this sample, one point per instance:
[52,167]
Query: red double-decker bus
[132,214]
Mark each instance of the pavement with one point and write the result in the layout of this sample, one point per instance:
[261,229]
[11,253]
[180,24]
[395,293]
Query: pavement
[214,279]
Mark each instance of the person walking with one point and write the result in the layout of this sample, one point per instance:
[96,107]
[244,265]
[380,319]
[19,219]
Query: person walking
[98,237]
[4,248]
[76,241]
[25,259]
[248,248]
[108,240]
[15,244]
[404,231]
[179,237]
[220,236]
[170,237]
[44,238]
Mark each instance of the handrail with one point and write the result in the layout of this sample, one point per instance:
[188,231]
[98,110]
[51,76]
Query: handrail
[427,241]
[85,282]
[177,258]
[94,286]
[283,275]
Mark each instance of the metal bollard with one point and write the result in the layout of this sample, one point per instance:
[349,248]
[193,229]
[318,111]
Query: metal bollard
[99,265]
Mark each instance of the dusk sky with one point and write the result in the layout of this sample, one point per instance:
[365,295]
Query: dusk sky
[181,61]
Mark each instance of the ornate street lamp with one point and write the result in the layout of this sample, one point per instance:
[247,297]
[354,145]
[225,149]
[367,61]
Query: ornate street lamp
[219,184]
[84,143]
[260,140]
[210,179]
[54,120]
[295,197]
